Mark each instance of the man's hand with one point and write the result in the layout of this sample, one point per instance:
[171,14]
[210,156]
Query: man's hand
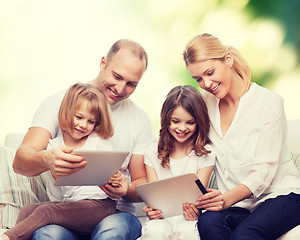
[116,192]
[62,163]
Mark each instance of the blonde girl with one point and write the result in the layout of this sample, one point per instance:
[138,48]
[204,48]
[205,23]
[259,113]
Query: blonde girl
[84,118]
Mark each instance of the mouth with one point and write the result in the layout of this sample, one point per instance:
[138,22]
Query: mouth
[182,135]
[215,88]
[79,131]
[113,94]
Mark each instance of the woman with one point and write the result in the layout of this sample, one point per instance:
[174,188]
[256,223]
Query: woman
[259,187]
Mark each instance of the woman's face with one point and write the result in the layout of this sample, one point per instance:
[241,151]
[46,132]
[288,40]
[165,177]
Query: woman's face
[213,76]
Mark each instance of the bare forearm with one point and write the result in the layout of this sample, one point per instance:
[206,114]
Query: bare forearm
[131,194]
[30,162]
[236,194]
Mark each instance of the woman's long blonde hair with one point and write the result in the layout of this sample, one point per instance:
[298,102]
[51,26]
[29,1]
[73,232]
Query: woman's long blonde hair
[208,47]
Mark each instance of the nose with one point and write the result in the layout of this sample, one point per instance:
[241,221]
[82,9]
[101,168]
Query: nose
[120,87]
[182,127]
[83,124]
[206,83]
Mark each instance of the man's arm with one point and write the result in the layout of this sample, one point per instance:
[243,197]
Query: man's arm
[138,176]
[32,158]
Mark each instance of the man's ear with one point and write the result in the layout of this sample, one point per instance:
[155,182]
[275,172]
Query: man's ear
[102,62]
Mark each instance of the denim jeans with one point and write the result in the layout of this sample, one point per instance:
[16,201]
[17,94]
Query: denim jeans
[119,226]
[269,220]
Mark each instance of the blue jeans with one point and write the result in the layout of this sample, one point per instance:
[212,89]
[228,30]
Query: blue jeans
[119,226]
[269,220]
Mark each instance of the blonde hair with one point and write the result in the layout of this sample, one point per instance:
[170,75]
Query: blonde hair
[97,104]
[207,47]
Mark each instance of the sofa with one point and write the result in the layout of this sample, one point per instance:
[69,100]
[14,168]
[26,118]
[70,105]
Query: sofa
[17,190]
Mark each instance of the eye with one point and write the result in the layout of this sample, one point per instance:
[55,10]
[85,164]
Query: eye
[191,122]
[117,77]
[175,121]
[211,72]
[199,79]
[131,84]
[78,117]
[91,121]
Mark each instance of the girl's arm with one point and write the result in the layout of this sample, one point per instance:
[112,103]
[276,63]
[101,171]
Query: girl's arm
[152,213]
[191,211]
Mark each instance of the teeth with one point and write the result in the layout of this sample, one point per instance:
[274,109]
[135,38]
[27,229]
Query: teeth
[112,93]
[215,87]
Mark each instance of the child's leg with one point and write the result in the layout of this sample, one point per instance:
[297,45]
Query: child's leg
[81,216]
[184,229]
[160,229]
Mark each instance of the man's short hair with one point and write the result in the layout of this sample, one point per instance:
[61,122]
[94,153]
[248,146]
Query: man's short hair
[135,48]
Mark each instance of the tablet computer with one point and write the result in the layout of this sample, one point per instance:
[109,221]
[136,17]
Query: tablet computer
[168,195]
[99,169]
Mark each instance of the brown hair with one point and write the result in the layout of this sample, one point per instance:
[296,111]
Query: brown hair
[208,47]
[135,48]
[98,106]
[190,99]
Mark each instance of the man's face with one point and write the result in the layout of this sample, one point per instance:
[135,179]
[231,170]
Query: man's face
[120,77]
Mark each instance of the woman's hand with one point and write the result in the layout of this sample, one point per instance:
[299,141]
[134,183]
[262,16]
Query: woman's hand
[190,211]
[212,201]
[152,213]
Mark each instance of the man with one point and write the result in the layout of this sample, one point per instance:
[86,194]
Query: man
[120,73]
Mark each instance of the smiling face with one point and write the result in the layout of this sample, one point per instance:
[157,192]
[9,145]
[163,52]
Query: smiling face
[119,78]
[213,76]
[84,121]
[182,126]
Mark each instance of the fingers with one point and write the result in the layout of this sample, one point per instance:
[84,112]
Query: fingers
[62,163]
[117,179]
[190,211]
[152,213]
[212,201]
[115,193]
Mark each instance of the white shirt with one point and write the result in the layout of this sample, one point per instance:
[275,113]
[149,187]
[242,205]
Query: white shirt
[189,164]
[75,193]
[253,151]
[132,129]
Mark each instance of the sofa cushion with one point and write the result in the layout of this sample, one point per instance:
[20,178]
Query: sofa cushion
[16,190]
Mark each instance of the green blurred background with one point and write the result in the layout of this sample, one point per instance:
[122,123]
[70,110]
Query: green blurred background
[48,45]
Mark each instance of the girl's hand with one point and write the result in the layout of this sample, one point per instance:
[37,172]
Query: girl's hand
[116,192]
[116,179]
[152,213]
[211,201]
[190,211]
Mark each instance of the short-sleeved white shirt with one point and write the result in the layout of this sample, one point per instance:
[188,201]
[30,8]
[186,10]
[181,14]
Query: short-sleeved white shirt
[189,164]
[132,129]
[253,151]
[75,193]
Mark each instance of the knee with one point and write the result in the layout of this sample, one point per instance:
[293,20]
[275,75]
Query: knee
[206,221]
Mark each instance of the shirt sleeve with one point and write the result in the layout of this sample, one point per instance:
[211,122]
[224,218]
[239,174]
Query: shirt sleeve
[144,137]
[46,116]
[269,145]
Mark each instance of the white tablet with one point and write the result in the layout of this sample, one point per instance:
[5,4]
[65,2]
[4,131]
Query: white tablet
[168,195]
[99,169]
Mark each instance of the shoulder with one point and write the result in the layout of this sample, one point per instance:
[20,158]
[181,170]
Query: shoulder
[129,108]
